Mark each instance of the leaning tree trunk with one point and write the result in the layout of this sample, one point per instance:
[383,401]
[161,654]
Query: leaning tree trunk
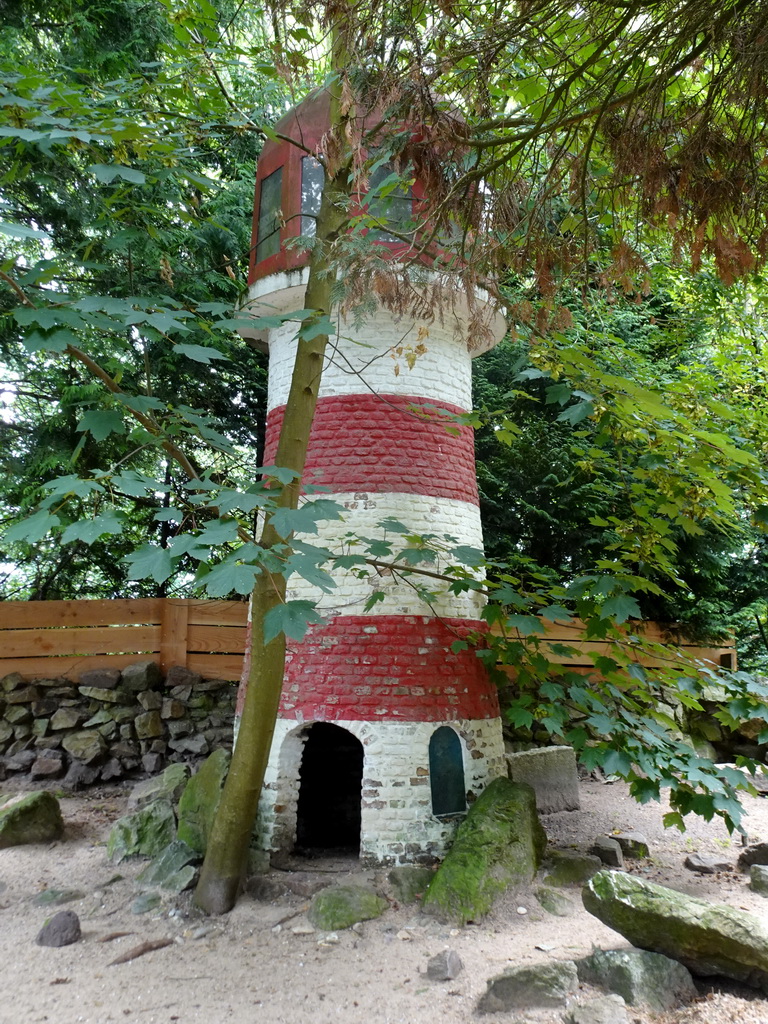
[227,852]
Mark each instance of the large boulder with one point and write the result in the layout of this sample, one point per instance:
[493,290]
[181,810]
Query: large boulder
[30,818]
[200,800]
[341,906]
[500,844]
[535,987]
[146,833]
[640,977]
[708,938]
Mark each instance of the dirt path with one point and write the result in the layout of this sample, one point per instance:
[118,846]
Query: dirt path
[264,963]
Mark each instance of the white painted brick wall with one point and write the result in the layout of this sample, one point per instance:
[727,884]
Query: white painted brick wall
[404,830]
[442,516]
[449,338]
[363,359]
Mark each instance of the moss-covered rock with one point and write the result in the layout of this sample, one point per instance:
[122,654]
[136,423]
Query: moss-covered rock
[538,986]
[610,1009]
[640,977]
[30,818]
[53,897]
[200,800]
[554,901]
[145,902]
[143,834]
[409,882]
[341,906]
[568,867]
[172,869]
[708,938]
[168,785]
[86,746]
[500,844]
[633,845]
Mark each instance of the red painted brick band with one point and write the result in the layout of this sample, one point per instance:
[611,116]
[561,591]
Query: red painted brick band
[383,444]
[384,668]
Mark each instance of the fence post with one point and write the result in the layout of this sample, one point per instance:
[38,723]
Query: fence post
[173,633]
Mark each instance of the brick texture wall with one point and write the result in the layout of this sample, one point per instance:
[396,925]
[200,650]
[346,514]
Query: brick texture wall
[368,361]
[367,667]
[422,514]
[385,443]
[398,826]
[388,677]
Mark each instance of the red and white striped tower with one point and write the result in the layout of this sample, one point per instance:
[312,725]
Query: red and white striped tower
[384,734]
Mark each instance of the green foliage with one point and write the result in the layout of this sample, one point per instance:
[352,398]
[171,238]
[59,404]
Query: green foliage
[625,719]
[661,481]
[623,427]
[292,618]
[129,231]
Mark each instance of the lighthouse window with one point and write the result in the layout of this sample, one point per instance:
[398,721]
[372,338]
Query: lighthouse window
[312,181]
[394,208]
[446,772]
[270,201]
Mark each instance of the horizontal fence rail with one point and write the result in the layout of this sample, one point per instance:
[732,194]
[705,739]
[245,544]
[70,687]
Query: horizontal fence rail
[47,639]
[40,639]
[670,643]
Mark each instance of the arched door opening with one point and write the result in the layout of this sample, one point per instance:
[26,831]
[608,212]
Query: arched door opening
[330,790]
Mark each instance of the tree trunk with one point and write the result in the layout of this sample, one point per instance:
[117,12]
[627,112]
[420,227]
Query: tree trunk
[227,852]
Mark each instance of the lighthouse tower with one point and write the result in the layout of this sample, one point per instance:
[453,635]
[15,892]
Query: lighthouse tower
[385,736]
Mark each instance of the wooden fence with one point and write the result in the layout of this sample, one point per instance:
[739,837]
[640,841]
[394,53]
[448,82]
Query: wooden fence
[45,639]
[667,640]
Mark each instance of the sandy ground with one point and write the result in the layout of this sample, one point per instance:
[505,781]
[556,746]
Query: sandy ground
[264,963]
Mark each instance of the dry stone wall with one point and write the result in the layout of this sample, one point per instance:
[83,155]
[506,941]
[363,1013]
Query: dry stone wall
[110,724]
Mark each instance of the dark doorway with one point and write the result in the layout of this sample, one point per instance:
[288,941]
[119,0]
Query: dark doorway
[330,785]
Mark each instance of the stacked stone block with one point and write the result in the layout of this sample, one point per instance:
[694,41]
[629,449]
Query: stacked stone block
[110,724]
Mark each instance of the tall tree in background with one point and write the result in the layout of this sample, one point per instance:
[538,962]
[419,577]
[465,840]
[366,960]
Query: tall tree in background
[172,228]
[552,495]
